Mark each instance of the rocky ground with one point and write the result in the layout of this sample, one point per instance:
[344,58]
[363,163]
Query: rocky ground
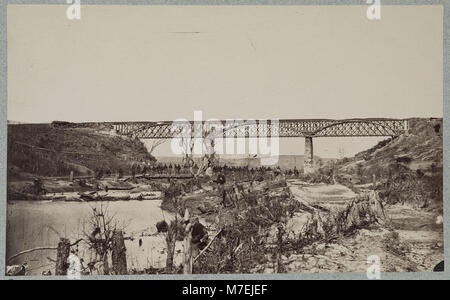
[410,240]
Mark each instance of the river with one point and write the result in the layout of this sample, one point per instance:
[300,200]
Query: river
[32,224]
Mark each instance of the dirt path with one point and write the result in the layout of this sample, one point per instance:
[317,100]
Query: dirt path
[410,241]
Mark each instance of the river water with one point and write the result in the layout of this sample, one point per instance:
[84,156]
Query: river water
[32,224]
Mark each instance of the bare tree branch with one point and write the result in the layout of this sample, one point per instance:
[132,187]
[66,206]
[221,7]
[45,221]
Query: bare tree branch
[207,246]
[155,144]
[29,251]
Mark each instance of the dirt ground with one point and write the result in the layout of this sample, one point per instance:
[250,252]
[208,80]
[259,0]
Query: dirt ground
[409,241]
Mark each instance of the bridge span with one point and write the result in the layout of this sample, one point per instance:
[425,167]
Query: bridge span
[283,128]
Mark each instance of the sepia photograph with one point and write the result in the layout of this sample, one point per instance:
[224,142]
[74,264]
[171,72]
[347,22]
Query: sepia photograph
[224,139]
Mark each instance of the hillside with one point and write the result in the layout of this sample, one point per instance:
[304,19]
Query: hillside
[58,148]
[407,168]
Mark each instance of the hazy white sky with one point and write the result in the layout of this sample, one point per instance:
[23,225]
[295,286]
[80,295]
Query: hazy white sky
[162,63]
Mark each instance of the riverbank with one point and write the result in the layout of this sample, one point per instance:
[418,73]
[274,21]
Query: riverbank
[85,189]
[268,226]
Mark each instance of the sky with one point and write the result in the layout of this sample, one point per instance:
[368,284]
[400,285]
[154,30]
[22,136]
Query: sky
[149,63]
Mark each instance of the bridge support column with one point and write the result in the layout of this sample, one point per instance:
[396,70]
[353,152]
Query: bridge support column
[308,166]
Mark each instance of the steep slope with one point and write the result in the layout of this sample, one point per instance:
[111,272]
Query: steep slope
[55,150]
[407,168]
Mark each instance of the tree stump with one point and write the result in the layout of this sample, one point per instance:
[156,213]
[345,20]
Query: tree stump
[376,207]
[119,257]
[187,262]
[62,256]
[187,259]
[171,237]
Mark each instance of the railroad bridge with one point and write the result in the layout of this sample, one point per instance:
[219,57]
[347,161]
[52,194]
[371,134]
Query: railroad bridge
[283,128]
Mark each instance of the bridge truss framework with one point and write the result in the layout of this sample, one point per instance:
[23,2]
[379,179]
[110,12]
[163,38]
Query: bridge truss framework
[265,128]
[285,128]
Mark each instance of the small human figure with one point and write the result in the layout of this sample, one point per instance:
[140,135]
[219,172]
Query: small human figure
[221,187]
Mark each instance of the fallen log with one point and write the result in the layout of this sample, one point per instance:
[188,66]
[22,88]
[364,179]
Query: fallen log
[38,249]
[29,251]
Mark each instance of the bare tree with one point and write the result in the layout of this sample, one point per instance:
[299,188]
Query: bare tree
[187,144]
[99,233]
[209,158]
[171,236]
[154,144]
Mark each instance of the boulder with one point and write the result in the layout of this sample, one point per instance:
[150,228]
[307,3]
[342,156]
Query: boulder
[16,270]
[296,225]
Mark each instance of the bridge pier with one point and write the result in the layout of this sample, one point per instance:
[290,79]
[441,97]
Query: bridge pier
[308,166]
